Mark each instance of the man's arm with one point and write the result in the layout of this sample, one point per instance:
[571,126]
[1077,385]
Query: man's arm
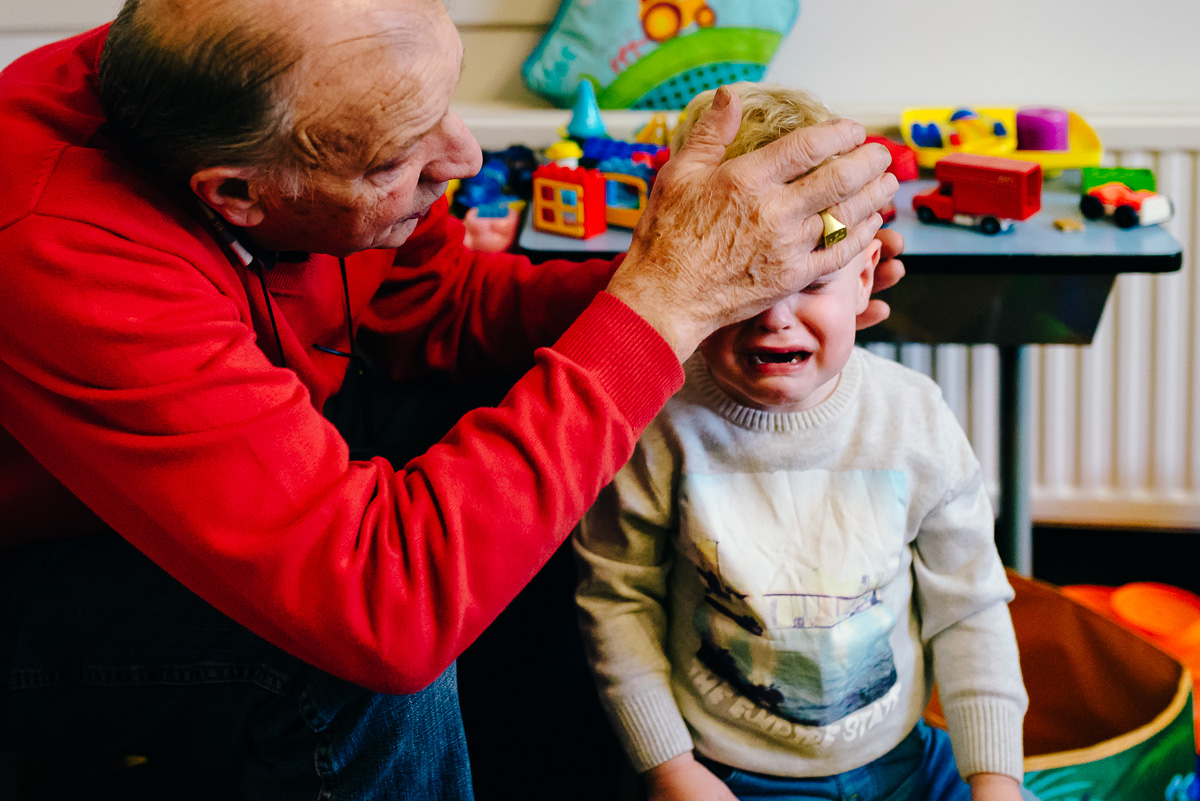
[449,309]
[718,242]
[138,382]
[141,387]
[446,308]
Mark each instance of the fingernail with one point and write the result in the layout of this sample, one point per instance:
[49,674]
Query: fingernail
[860,133]
[721,99]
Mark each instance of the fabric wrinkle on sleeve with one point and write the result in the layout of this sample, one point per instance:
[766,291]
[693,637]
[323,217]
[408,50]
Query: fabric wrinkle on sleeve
[381,577]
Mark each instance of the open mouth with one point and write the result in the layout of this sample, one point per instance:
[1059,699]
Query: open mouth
[781,357]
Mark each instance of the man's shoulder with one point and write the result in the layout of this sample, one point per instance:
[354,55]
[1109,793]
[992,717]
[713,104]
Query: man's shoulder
[64,182]
[94,200]
[48,105]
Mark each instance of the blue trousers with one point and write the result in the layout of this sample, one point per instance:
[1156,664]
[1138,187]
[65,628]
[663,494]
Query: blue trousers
[920,768]
[103,652]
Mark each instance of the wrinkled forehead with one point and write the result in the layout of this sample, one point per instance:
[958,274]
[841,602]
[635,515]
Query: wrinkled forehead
[381,76]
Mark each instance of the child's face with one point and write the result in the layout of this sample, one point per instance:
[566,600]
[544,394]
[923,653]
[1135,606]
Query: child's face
[788,358]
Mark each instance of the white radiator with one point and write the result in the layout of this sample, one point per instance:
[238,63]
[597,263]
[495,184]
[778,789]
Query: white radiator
[1116,432]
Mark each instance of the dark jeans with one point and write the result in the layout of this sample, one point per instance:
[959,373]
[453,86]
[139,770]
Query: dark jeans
[920,768]
[103,652]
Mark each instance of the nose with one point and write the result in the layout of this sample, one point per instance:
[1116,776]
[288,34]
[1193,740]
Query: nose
[458,153]
[777,318]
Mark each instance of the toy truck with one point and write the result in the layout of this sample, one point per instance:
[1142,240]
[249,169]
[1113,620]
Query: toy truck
[987,192]
[1126,193]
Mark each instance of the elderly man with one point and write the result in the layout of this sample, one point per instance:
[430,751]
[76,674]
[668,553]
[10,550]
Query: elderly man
[212,209]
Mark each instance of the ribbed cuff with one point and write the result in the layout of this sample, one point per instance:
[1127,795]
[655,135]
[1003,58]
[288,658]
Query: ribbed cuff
[627,355]
[650,728]
[986,736]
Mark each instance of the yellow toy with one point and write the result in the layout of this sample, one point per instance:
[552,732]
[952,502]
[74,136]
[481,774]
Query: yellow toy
[936,132]
[656,131]
[565,153]
[626,216]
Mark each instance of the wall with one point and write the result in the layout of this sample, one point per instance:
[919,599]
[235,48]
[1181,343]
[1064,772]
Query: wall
[869,58]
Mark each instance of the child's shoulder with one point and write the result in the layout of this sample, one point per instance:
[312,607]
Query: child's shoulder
[897,387]
[893,376]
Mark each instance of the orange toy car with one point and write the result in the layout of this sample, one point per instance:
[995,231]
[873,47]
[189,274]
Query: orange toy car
[1129,207]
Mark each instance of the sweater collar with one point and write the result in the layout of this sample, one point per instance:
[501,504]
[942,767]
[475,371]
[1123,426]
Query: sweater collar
[843,396]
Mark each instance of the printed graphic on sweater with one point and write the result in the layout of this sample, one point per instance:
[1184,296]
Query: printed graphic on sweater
[792,563]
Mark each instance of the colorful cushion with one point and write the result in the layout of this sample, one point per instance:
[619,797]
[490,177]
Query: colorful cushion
[655,54]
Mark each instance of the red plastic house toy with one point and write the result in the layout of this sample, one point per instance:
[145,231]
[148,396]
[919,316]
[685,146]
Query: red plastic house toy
[569,201]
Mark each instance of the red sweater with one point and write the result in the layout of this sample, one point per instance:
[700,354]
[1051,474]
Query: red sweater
[134,391]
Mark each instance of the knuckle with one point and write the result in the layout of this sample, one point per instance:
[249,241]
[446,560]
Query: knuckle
[837,180]
[805,152]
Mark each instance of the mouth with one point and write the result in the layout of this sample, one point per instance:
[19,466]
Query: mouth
[768,358]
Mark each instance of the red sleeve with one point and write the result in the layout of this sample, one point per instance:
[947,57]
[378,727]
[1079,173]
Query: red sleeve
[446,308]
[136,381]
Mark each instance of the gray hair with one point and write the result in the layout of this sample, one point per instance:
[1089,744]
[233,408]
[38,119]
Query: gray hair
[214,96]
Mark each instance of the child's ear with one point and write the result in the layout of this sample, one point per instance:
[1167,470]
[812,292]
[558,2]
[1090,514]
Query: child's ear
[866,278]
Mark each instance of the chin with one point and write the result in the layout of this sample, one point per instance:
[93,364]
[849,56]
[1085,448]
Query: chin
[400,233]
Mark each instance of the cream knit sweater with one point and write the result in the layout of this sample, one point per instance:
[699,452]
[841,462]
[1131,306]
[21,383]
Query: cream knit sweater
[779,591]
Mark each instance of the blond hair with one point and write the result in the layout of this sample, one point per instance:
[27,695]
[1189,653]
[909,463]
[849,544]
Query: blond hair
[768,112]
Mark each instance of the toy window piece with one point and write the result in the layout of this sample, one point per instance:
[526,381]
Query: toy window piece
[655,54]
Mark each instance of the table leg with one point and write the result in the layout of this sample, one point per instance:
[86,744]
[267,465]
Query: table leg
[1014,528]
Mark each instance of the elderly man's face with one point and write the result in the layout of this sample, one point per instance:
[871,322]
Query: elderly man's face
[374,118]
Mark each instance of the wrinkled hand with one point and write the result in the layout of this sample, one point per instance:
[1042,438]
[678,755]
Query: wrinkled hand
[720,242]
[684,779]
[993,787]
[889,271]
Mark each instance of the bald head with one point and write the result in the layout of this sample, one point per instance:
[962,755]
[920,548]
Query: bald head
[195,83]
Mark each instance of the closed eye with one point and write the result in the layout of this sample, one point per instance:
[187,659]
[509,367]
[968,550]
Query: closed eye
[385,169]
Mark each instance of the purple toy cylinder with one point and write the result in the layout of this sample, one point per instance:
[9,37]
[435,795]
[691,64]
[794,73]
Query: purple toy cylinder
[1042,128]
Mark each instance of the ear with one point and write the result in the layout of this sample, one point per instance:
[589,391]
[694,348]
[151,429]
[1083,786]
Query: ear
[230,193]
[870,260]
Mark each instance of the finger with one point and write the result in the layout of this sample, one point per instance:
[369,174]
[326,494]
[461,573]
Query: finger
[801,150]
[827,260]
[713,132]
[887,274]
[876,312]
[833,184]
[893,244]
[875,195]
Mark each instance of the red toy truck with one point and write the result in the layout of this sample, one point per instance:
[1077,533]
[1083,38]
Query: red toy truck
[984,191]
